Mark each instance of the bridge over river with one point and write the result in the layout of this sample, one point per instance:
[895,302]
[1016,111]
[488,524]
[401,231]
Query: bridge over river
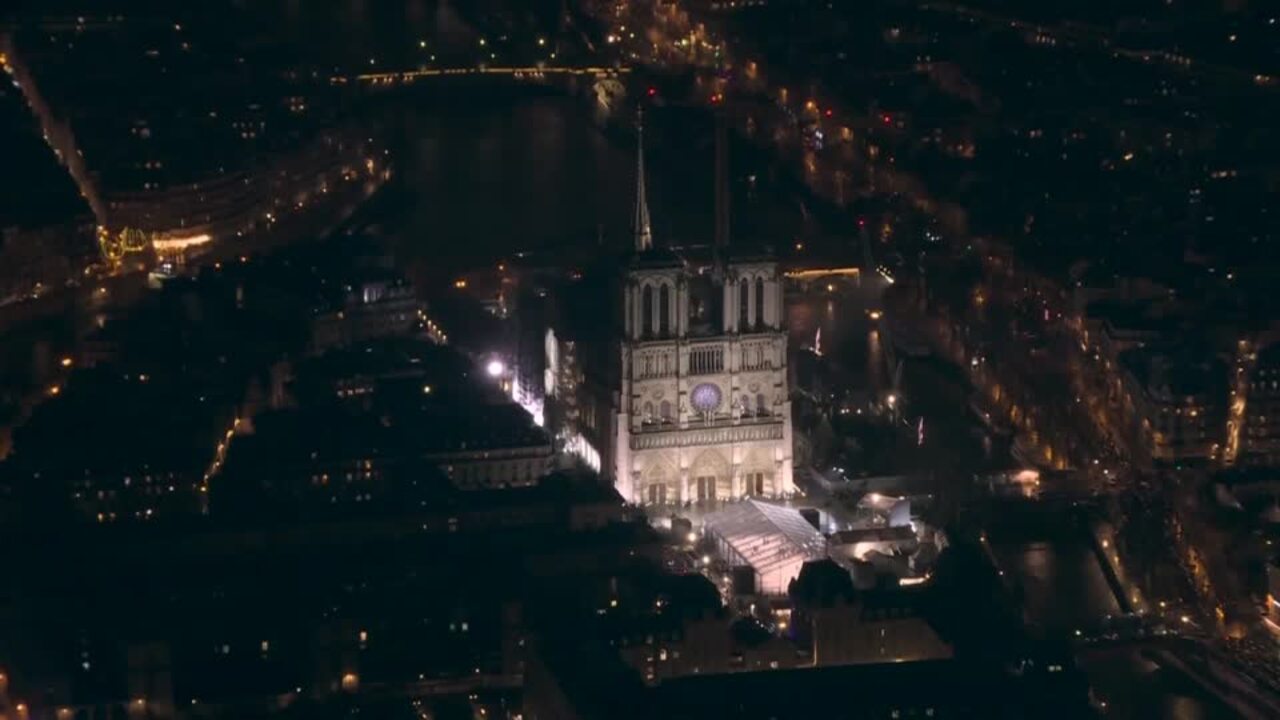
[532,73]
[1046,554]
[1050,555]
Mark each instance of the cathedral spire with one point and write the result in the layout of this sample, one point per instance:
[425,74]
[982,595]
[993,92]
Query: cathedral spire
[642,227]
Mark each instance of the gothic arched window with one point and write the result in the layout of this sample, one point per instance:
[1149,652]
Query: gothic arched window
[664,310]
[646,305]
[759,302]
[744,303]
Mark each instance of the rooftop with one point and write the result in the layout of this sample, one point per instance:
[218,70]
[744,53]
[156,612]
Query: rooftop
[822,583]
[899,533]
[1132,316]
[429,398]
[392,357]
[1169,376]
[916,689]
[474,428]
[1269,356]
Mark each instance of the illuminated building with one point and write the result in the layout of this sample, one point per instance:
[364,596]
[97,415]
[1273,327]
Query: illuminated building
[727,6]
[841,625]
[368,309]
[180,219]
[1260,441]
[529,374]
[177,149]
[688,400]
[886,540]
[497,446]
[572,407]
[420,401]
[675,384]
[1176,401]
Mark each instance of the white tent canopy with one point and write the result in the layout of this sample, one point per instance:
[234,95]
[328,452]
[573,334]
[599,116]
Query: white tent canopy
[774,541]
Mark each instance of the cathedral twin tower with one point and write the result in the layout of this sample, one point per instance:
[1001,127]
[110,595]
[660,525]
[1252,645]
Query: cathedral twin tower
[703,411]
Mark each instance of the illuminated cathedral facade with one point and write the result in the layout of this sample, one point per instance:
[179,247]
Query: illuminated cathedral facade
[702,408]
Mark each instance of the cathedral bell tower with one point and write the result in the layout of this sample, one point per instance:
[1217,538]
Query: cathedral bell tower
[655,299]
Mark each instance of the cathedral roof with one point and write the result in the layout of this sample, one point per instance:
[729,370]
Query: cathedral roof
[655,258]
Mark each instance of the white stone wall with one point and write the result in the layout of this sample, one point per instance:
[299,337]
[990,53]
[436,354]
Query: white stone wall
[709,472]
[667,451]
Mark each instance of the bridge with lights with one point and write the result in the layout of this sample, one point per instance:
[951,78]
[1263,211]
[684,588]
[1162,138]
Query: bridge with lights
[526,73]
[823,273]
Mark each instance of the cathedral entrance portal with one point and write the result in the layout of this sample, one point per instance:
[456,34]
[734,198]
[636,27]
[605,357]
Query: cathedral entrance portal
[659,484]
[758,475]
[706,488]
[657,495]
[711,478]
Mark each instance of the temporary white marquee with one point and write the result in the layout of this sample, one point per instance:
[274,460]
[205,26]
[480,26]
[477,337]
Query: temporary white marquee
[775,541]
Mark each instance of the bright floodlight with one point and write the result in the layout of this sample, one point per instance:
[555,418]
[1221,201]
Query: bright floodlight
[495,368]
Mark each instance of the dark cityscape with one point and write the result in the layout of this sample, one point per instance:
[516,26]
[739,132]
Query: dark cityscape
[639,359]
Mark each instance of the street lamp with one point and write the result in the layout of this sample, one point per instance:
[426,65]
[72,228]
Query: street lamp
[495,368]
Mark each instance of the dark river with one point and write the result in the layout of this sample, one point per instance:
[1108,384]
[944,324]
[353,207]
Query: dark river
[1062,584]
[492,171]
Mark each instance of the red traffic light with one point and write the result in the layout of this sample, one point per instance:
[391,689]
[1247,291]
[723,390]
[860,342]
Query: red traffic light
[653,91]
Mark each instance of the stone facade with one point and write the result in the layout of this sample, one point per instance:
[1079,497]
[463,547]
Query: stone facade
[702,416]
